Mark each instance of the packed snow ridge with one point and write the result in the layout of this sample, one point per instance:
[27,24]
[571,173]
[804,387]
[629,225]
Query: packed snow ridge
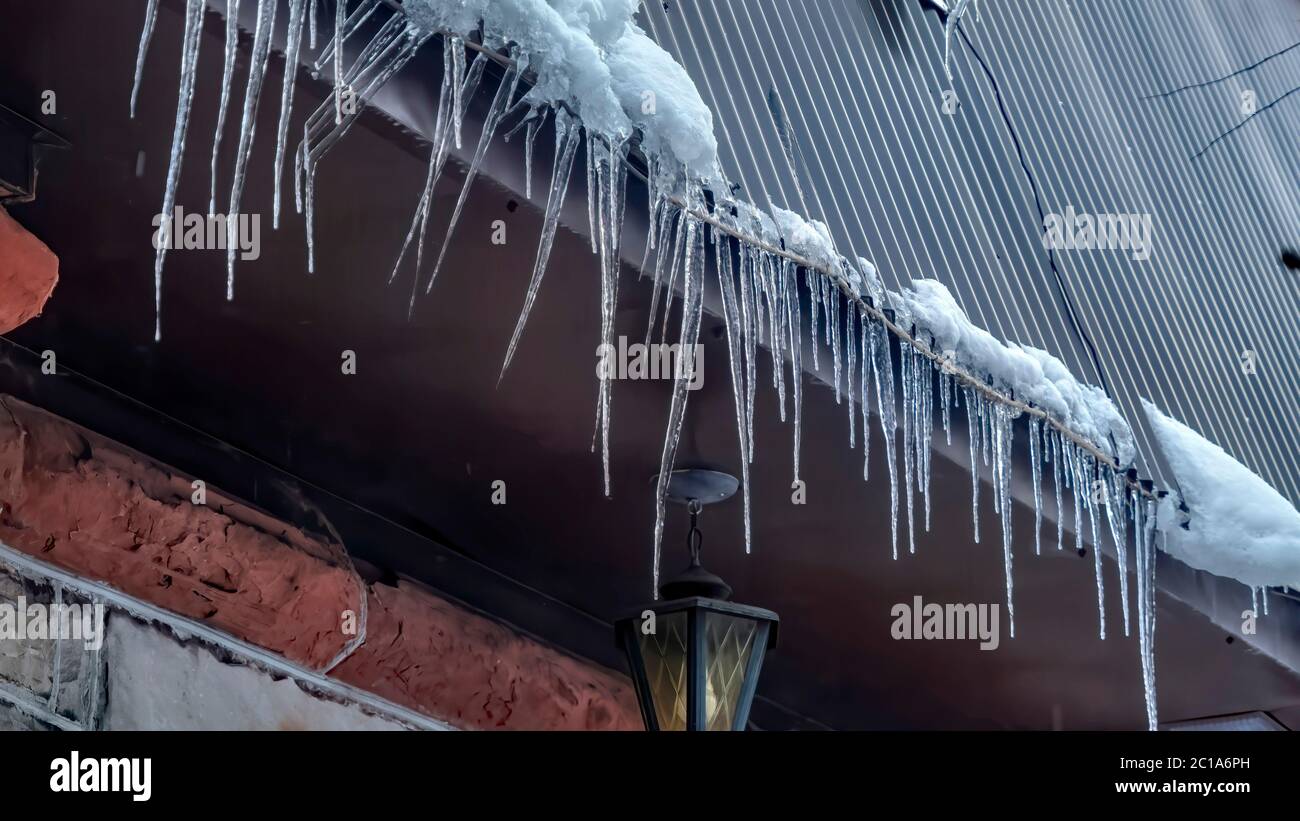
[590,56]
[1033,375]
[1235,524]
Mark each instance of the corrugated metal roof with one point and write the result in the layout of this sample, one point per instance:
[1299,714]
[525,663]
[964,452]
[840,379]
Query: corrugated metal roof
[860,87]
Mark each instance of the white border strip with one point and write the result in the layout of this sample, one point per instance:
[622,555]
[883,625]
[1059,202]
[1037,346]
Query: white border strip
[187,628]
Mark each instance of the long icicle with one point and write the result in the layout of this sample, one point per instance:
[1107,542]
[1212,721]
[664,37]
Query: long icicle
[1036,479]
[340,18]
[568,133]
[790,287]
[883,367]
[296,10]
[248,125]
[692,311]
[146,35]
[505,93]
[731,313]
[185,98]
[227,77]
[974,427]
[437,158]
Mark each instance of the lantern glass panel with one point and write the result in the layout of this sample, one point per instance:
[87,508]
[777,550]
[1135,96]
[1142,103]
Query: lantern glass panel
[663,653]
[728,644]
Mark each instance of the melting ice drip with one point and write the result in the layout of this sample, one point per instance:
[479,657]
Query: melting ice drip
[757,262]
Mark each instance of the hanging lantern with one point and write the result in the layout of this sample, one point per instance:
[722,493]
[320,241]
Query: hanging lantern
[694,656]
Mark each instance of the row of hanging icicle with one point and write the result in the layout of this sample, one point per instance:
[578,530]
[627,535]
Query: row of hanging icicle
[760,290]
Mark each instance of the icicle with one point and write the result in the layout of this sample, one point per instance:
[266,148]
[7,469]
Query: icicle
[567,135]
[227,77]
[907,364]
[732,316]
[286,102]
[674,266]
[692,310]
[946,400]
[776,324]
[835,336]
[505,93]
[1090,488]
[184,99]
[790,295]
[530,139]
[925,427]
[827,308]
[1036,479]
[1254,600]
[612,174]
[146,34]
[1263,597]
[437,158]
[749,300]
[1003,430]
[340,18]
[593,190]
[248,124]
[311,24]
[867,342]
[883,367]
[813,281]
[1143,524]
[458,72]
[1080,491]
[1057,479]
[1115,516]
[975,426]
[850,354]
[663,252]
[986,434]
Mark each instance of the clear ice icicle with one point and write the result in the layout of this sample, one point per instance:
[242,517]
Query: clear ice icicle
[1116,518]
[1002,418]
[850,367]
[1036,479]
[500,102]
[907,364]
[692,311]
[292,46]
[925,428]
[612,176]
[530,140]
[731,312]
[945,400]
[227,77]
[437,158]
[458,77]
[813,282]
[568,133]
[184,99]
[835,336]
[868,356]
[1057,479]
[1145,560]
[790,292]
[749,312]
[973,414]
[146,34]
[340,18]
[248,124]
[883,367]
